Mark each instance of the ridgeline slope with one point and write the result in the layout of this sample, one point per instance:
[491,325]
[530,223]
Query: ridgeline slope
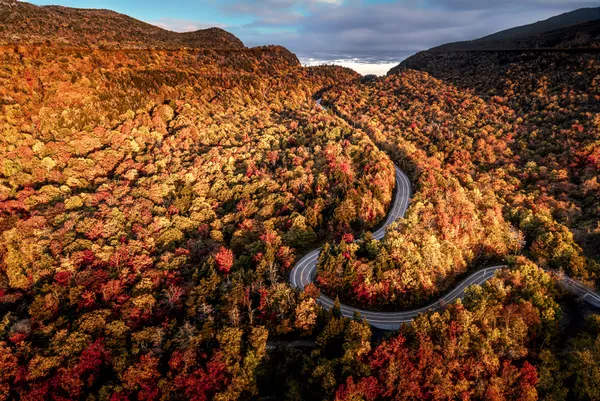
[579,28]
[24,23]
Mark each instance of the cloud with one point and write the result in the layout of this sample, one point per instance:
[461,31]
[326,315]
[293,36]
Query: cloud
[515,4]
[261,7]
[353,25]
[181,25]
[306,26]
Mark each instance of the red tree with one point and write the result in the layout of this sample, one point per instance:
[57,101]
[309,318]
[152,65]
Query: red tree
[224,259]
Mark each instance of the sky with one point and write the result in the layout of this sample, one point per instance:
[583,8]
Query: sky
[343,27]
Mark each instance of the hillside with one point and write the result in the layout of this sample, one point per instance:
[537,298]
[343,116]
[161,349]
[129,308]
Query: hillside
[560,31]
[456,59]
[25,23]
[158,190]
[548,88]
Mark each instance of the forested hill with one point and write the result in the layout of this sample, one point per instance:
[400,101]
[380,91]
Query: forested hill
[579,28]
[156,190]
[461,57]
[25,23]
[554,92]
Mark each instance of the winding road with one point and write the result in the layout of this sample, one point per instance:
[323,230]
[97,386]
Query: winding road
[305,270]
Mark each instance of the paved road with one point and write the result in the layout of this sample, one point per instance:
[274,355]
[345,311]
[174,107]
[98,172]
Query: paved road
[305,270]
[578,289]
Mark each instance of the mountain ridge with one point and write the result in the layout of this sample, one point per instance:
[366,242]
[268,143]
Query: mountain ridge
[579,38]
[525,36]
[25,23]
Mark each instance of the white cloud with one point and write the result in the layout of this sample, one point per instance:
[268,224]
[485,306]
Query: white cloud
[181,25]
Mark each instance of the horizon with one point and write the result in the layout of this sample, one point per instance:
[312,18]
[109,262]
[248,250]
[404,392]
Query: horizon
[351,27]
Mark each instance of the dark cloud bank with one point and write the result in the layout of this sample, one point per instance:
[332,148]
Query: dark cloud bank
[401,25]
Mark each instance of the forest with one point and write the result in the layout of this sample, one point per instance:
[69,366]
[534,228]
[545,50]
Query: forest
[147,223]
[487,190]
[153,202]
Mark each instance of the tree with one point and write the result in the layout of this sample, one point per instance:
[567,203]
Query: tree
[224,259]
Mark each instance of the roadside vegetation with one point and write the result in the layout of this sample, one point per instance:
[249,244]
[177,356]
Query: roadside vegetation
[153,203]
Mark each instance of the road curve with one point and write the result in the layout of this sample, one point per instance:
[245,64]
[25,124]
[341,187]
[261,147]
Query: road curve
[305,269]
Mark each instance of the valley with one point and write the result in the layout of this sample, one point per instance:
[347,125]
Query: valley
[183,217]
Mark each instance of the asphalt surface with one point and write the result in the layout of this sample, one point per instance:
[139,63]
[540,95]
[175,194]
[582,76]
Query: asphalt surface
[305,270]
[578,289]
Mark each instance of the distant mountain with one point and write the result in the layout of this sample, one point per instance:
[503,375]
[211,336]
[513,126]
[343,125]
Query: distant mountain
[585,35]
[547,33]
[24,23]
[506,46]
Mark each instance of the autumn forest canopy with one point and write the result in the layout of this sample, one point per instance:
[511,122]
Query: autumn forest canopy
[157,189]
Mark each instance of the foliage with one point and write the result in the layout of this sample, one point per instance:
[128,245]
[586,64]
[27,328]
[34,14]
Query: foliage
[484,349]
[152,204]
